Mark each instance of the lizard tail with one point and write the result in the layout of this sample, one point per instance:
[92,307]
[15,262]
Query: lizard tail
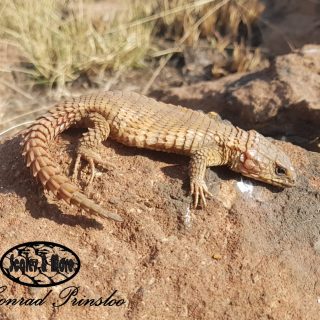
[35,151]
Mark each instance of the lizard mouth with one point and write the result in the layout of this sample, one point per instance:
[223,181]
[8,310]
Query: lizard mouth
[285,183]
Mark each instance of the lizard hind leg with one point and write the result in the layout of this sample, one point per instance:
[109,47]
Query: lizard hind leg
[98,131]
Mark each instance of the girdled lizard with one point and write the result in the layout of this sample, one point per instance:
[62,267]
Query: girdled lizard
[143,122]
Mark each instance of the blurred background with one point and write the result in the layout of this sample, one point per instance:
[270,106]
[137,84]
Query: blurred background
[51,49]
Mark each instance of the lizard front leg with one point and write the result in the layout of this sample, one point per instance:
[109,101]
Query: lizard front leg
[98,131]
[200,160]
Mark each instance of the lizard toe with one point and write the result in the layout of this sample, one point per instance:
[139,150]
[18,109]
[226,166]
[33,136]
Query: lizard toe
[199,190]
[76,167]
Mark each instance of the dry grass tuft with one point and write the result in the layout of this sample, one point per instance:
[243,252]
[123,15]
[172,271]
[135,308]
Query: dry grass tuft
[179,16]
[228,31]
[246,59]
[59,40]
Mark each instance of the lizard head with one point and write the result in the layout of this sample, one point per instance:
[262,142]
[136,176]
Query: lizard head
[264,161]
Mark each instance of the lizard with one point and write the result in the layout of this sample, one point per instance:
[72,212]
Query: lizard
[139,121]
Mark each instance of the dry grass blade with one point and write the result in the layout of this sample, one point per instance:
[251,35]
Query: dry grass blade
[23,115]
[165,11]
[16,89]
[15,127]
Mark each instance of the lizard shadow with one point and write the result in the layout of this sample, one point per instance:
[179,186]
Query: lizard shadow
[177,164]
[15,177]
[177,167]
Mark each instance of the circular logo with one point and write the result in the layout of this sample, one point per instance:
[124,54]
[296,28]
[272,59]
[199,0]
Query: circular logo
[40,264]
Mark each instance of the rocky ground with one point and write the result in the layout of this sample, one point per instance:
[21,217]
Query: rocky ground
[252,254]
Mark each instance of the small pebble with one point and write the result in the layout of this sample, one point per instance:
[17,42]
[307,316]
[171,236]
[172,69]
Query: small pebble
[216,256]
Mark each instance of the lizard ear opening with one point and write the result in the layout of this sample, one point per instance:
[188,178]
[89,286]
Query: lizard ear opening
[248,163]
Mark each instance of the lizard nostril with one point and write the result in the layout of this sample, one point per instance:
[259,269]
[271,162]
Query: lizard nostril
[293,177]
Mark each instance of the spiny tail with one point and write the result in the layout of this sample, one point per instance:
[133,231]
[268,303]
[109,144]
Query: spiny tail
[35,150]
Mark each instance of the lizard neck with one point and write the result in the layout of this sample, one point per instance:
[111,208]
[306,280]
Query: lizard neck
[235,142]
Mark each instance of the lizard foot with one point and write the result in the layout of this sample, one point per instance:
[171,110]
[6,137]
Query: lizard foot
[92,157]
[199,190]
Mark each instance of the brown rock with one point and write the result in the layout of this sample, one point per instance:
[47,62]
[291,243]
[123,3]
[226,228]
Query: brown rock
[252,254]
[282,101]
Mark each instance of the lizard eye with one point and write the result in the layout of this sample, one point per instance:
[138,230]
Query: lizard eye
[280,171]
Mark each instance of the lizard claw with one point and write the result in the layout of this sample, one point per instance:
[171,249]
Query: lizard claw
[93,158]
[200,190]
